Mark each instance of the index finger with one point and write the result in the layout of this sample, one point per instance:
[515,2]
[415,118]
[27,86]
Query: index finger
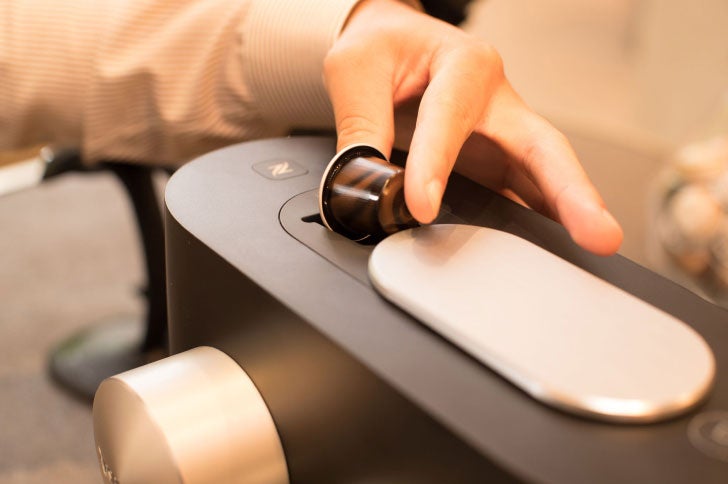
[452,105]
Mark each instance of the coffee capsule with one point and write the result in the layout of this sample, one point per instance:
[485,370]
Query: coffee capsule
[362,195]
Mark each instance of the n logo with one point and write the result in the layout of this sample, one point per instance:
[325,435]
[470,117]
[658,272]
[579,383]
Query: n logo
[279,169]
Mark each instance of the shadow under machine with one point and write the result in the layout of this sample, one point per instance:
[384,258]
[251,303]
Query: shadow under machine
[486,347]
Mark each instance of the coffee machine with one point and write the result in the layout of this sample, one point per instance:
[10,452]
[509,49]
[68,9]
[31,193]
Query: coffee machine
[292,362]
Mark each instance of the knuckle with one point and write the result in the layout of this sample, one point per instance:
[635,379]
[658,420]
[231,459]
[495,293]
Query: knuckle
[533,156]
[484,58]
[490,58]
[461,109]
[356,127]
[333,60]
[545,146]
[343,59]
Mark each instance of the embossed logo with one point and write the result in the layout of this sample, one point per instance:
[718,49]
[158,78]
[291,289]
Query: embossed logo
[279,169]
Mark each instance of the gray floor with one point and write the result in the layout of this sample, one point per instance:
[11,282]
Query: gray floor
[68,258]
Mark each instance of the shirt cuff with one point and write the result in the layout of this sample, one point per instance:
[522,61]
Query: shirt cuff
[284,44]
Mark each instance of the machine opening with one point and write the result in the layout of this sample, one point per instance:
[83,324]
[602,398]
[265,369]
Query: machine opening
[313,218]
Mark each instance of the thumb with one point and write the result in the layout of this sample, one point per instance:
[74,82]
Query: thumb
[361,94]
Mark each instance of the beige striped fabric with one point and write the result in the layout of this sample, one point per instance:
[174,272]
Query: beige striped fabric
[45,62]
[162,81]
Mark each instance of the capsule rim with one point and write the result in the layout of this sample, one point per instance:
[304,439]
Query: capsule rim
[342,157]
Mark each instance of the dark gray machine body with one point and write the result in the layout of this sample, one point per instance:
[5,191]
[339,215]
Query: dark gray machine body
[360,391]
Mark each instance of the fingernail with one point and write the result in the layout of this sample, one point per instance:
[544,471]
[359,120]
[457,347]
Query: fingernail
[434,191]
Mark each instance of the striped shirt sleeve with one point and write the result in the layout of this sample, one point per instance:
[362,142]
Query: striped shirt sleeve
[162,81]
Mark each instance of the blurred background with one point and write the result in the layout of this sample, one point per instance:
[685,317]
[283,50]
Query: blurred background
[629,81]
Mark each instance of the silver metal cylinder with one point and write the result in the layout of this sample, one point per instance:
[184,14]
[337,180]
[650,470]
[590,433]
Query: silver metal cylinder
[192,418]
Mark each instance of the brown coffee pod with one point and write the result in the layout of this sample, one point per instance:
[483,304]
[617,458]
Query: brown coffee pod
[362,195]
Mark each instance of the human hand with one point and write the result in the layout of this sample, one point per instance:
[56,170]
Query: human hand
[399,77]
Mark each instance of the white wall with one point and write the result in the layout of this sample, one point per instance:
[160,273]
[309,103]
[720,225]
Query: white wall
[642,72]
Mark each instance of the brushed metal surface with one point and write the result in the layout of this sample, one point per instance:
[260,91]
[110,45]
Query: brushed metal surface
[194,417]
[561,334]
